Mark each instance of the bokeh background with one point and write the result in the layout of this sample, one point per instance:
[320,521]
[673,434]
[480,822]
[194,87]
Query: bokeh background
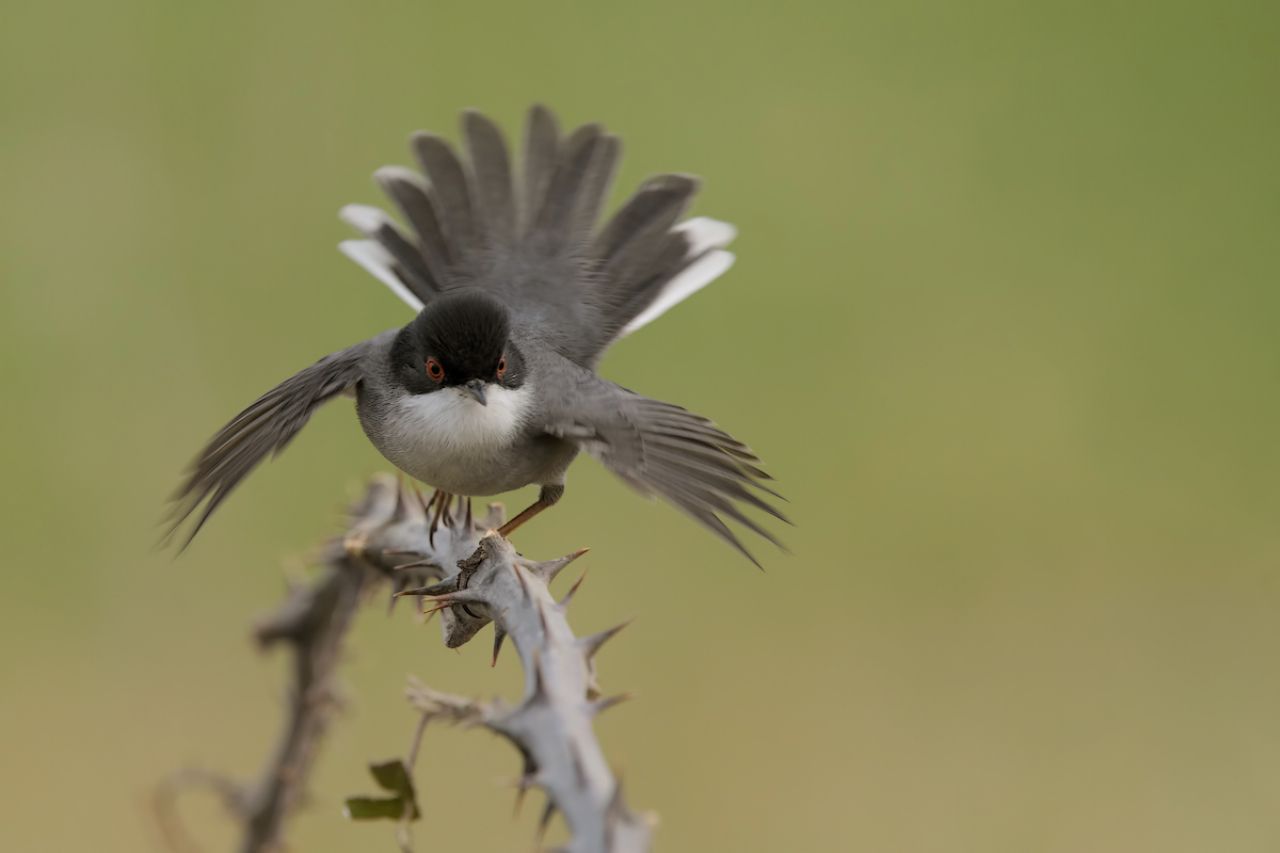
[1003,324]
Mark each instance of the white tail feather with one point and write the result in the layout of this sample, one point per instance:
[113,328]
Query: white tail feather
[707,238]
[364,218]
[704,233]
[693,278]
[377,261]
[404,173]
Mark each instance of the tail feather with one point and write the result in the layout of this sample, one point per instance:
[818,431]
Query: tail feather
[449,191]
[694,276]
[691,257]
[704,233]
[541,142]
[409,263]
[597,181]
[554,226]
[659,266]
[645,216]
[377,262]
[490,179]
[410,193]
[539,238]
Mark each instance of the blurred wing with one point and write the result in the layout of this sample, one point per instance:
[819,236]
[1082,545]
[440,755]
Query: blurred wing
[265,427]
[660,448]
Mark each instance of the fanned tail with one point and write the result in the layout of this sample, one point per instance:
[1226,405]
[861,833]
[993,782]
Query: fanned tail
[473,223]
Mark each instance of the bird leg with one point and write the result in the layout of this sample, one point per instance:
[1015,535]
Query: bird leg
[546,497]
[437,506]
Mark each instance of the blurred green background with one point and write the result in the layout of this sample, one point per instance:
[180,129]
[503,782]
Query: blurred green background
[1003,324]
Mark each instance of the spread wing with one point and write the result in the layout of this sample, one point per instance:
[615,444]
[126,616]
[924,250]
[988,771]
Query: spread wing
[535,239]
[265,427]
[662,449]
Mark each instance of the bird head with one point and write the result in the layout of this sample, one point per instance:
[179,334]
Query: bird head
[459,341]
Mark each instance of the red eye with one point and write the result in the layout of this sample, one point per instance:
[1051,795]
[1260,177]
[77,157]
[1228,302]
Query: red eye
[502,366]
[434,370]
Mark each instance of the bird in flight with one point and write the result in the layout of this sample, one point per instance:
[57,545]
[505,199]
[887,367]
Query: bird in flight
[518,291]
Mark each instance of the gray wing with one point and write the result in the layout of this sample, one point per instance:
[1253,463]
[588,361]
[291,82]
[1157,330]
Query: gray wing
[662,449]
[536,241]
[264,428]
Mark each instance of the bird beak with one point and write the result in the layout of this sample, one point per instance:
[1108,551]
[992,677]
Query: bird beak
[476,389]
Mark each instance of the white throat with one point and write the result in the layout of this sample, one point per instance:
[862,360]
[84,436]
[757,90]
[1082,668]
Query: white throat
[450,421]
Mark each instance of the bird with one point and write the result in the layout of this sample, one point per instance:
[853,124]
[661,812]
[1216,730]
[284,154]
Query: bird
[518,290]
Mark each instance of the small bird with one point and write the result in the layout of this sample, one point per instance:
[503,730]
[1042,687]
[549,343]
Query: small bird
[518,293]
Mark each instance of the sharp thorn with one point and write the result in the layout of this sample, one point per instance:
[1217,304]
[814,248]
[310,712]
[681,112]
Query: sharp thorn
[601,705]
[551,568]
[442,606]
[573,590]
[592,644]
[548,812]
[498,636]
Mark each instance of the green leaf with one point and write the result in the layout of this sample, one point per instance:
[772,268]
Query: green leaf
[394,777]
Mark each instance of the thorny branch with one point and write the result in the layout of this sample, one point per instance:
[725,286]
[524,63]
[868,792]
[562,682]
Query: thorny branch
[433,549]
[312,622]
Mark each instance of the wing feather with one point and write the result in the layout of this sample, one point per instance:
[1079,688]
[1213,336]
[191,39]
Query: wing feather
[263,429]
[660,449]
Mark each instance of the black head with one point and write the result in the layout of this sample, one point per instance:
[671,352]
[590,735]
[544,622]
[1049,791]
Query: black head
[458,340]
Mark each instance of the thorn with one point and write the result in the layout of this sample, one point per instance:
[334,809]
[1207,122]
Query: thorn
[469,523]
[617,808]
[568,596]
[548,812]
[416,564]
[592,644]
[524,584]
[535,669]
[444,587]
[549,569]
[353,543]
[498,636]
[408,552]
[601,705]
[523,784]
[494,515]
[445,606]
[461,596]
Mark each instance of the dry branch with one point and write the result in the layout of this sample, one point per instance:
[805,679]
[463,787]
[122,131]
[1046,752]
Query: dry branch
[433,549]
[312,622]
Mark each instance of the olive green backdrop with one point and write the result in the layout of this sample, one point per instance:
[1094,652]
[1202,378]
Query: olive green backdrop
[1003,324]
